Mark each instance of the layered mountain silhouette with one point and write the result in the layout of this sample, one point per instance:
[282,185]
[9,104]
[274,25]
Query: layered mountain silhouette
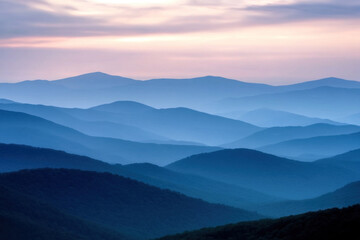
[99,156]
[266,173]
[322,102]
[349,160]
[138,122]
[325,82]
[346,196]
[21,128]
[79,91]
[332,224]
[316,147]
[92,126]
[120,204]
[19,157]
[273,118]
[200,187]
[183,124]
[280,134]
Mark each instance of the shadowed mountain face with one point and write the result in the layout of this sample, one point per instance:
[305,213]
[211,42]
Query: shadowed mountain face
[19,157]
[343,197]
[266,173]
[272,118]
[204,188]
[23,217]
[332,224]
[319,147]
[280,134]
[20,128]
[121,204]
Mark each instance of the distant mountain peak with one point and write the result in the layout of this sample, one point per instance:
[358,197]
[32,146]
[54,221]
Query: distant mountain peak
[123,106]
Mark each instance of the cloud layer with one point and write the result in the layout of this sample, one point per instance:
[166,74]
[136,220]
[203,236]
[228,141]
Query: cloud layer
[40,18]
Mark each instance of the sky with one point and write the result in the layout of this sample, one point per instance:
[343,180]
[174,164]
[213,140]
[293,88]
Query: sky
[269,41]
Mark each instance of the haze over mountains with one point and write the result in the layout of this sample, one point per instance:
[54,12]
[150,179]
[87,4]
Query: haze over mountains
[315,147]
[21,128]
[281,134]
[98,156]
[193,93]
[265,117]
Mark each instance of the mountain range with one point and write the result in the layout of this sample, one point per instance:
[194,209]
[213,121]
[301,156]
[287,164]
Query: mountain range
[321,102]
[99,156]
[315,147]
[20,157]
[21,128]
[281,134]
[197,93]
[138,122]
[265,117]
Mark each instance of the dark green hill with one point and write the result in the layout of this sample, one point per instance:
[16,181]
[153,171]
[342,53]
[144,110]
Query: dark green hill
[22,217]
[121,204]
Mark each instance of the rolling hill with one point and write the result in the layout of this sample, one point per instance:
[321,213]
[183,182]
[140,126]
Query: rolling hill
[280,134]
[183,124]
[264,117]
[324,82]
[19,157]
[23,217]
[332,224]
[121,204]
[138,122]
[317,147]
[96,127]
[21,128]
[349,160]
[322,102]
[346,196]
[266,173]
[203,188]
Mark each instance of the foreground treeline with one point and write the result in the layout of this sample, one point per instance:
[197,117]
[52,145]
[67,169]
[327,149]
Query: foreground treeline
[328,224]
